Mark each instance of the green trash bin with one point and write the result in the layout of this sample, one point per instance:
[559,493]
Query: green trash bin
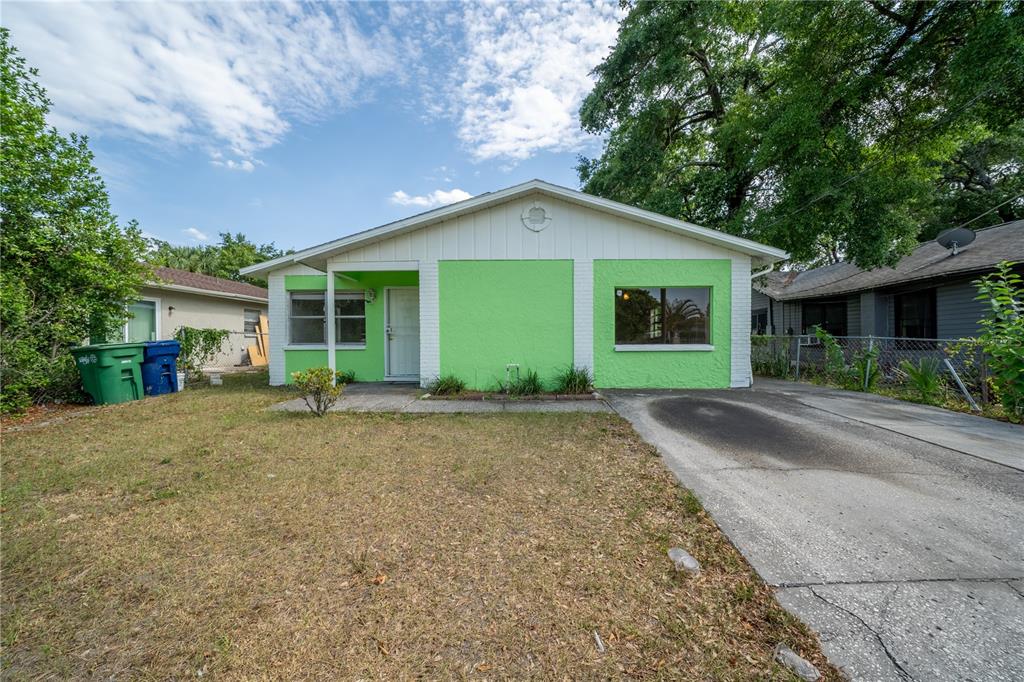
[111,371]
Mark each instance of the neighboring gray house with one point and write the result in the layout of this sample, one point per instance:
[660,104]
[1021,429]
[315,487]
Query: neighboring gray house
[927,295]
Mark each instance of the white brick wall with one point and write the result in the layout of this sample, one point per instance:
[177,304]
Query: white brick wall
[430,326]
[740,361]
[583,313]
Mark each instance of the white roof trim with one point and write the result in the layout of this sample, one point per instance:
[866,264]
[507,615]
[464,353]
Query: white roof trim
[766,254]
[203,292]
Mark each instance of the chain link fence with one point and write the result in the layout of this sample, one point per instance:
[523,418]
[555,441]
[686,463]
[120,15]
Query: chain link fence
[924,367]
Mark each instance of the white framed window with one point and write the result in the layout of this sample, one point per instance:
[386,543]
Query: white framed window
[250,319]
[143,323]
[307,318]
[350,317]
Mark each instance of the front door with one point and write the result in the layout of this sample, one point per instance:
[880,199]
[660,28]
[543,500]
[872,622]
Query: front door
[402,332]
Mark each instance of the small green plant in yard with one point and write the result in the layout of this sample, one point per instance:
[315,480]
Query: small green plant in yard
[573,379]
[198,347]
[1002,336]
[321,387]
[864,371]
[346,376]
[925,378]
[449,384]
[526,384]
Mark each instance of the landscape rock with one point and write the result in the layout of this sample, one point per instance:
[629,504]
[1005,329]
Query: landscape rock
[801,667]
[683,560]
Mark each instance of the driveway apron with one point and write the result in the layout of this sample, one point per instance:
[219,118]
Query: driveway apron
[906,556]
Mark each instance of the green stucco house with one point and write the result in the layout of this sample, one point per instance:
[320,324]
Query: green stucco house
[533,277]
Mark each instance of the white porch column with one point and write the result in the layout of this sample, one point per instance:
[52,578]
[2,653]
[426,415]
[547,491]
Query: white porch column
[329,303]
[583,314]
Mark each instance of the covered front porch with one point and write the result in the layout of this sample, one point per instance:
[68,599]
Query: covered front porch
[371,329]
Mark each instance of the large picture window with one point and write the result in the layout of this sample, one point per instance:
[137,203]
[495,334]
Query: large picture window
[673,316]
[307,318]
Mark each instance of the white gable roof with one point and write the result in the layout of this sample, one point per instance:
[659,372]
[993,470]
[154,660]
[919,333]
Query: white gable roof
[316,256]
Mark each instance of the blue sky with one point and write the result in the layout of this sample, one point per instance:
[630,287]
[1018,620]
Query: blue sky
[299,123]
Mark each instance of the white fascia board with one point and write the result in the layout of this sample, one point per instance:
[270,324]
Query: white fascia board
[765,254]
[204,292]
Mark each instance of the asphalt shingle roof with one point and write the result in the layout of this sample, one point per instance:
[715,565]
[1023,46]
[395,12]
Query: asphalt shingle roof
[992,245]
[196,280]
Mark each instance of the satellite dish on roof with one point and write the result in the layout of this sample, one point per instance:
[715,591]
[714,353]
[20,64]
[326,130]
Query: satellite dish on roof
[956,239]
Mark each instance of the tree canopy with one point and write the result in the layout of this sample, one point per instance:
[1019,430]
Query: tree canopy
[233,252]
[829,129]
[66,266]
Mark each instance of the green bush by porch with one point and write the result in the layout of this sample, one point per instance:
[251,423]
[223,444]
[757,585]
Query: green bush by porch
[496,312]
[662,369]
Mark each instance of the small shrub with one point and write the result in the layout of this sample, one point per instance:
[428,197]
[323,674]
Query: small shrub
[346,376]
[527,384]
[573,379]
[865,368]
[318,389]
[1002,336]
[925,378]
[198,347]
[449,384]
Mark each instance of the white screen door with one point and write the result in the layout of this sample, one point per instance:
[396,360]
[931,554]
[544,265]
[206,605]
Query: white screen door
[402,320]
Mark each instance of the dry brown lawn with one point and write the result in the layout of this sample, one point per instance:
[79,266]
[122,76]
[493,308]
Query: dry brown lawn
[198,535]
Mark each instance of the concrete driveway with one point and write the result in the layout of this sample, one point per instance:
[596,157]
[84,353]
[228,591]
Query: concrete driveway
[905,554]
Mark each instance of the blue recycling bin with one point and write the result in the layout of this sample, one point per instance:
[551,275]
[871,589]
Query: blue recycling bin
[160,367]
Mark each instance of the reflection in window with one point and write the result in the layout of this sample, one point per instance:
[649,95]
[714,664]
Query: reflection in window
[663,315]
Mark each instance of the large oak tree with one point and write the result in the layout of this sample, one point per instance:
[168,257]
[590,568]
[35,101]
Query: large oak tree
[828,129]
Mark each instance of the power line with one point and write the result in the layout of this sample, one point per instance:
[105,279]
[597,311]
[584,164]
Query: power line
[994,208]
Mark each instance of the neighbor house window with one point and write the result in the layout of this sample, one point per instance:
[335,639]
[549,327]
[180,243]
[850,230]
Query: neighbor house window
[829,315]
[307,318]
[251,319]
[915,315]
[662,316]
[759,321]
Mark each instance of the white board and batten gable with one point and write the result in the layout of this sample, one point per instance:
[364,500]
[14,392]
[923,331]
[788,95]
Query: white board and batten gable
[534,220]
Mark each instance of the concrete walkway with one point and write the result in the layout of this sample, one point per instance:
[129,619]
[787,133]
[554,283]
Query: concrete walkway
[906,556]
[405,398]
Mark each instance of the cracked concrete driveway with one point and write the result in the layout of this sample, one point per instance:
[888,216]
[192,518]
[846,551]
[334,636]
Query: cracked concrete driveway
[906,556]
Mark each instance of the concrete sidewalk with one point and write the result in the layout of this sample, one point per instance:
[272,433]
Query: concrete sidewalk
[405,398]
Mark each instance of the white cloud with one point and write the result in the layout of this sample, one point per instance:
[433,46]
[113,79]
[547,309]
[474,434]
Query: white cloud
[438,197]
[195,234]
[225,77]
[525,73]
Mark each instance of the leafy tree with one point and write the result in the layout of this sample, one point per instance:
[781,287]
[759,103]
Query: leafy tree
[828,129]
[66,267]
[233,252]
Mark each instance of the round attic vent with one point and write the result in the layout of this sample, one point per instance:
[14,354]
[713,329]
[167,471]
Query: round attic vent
[536,217]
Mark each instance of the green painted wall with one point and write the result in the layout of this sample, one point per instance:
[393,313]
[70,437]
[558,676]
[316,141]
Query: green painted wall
[368,363]
[496,312]
[662,369]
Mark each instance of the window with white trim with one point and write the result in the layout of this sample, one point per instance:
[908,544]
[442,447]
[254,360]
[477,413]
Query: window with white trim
[674,316]
[250,319]
[350,317]
[307,318]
